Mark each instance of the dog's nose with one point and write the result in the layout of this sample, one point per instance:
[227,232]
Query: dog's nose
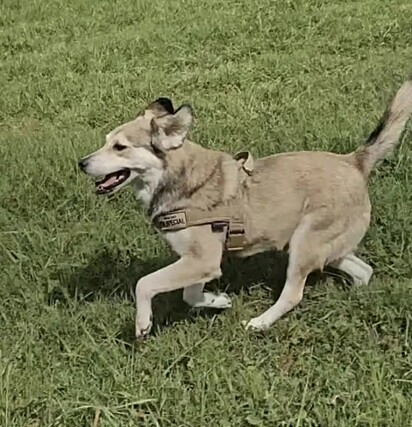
[83,164]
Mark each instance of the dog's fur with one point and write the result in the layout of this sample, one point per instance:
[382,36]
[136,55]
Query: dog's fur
[314,203]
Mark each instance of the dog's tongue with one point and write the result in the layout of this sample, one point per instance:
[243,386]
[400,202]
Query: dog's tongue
[109,181]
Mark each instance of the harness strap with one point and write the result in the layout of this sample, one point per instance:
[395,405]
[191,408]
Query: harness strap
[179,220]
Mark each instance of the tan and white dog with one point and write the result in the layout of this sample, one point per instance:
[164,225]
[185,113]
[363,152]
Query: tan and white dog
[315,204]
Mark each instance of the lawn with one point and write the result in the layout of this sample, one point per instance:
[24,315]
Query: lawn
[269,76]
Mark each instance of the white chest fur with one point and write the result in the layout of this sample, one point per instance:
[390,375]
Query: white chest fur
[180,241]
[146,184]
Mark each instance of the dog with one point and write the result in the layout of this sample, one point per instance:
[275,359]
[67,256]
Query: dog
[204,202]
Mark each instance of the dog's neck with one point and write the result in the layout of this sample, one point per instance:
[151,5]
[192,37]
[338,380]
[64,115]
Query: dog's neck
[145,186]
[192,176]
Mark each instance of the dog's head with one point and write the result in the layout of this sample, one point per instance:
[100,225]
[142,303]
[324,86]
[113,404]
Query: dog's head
[138,147]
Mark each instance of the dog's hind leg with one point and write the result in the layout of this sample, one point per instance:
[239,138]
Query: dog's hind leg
[303,259]
[195,297]
[358,270]
[317,239]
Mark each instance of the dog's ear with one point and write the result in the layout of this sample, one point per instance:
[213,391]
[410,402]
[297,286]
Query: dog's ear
[169,132]
[159,108]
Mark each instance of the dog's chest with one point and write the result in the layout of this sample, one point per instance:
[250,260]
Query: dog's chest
[180,241]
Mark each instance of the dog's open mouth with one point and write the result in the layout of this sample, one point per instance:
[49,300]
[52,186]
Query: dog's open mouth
[111,181]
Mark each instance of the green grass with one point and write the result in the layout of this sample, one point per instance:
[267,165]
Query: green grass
[270,76]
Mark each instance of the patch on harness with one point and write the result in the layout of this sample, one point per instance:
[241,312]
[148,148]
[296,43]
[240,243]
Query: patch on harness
[172,221]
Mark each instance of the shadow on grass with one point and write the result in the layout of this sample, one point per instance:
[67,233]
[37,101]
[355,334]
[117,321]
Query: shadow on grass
[114,275]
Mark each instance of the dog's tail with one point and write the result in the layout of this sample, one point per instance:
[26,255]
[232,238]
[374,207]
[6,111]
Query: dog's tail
[387,133]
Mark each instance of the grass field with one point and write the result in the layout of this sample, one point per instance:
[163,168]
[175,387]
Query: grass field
[270,76]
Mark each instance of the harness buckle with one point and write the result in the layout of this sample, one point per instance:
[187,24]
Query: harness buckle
[235,240]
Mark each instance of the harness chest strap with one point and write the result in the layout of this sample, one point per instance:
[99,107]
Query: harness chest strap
[220,222]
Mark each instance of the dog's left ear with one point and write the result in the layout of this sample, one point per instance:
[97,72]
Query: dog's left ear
[160,107]
[170,131]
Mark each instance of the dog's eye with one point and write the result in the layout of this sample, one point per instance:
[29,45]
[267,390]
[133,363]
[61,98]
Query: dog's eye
[119,147]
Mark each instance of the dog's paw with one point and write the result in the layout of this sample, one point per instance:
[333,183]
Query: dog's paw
[363,276]
[214,301]
[142,332]
[256,324]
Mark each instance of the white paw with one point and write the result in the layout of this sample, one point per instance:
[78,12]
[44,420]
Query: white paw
[358,270]
[256,324]
[143,330]
[221,301]
[211,300]
[363,276]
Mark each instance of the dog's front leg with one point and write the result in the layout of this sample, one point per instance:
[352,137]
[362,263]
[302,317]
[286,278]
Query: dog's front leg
[186,271]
